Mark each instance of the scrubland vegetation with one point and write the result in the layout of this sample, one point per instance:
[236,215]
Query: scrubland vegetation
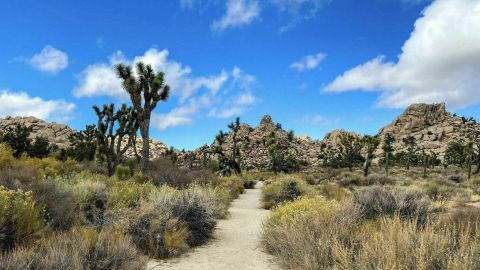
[65,215]
[336,219]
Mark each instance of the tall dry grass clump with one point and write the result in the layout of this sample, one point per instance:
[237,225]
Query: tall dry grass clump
[319,234]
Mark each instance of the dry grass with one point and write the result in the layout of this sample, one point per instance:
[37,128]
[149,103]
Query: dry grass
[342,239]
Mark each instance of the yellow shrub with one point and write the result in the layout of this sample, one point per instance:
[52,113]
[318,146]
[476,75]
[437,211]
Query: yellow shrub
[47,167]
[128,194]
[6,156]
[234,184]
[284,190]
[302,207]
[334,191]
[20,220]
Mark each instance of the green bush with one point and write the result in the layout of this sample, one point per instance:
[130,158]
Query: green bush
[128,194]
[283,190]
[20,219]
[123,172]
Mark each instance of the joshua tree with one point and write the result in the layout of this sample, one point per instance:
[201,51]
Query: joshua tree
[235,127]
[410,143]
[350,147]
[371,143]
[225,164]
[387,149]
[146,89]
[110,141]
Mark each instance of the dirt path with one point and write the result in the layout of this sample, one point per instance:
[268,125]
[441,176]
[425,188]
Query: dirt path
[236,243]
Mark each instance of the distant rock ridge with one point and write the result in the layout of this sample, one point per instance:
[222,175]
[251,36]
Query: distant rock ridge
[431,125]
[55,133]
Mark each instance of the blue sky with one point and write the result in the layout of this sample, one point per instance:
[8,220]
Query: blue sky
[313,65]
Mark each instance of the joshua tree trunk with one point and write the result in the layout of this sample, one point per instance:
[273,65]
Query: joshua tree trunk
[145,130]
[366,166]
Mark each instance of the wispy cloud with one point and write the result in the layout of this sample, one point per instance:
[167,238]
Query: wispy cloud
[319,120]
[238,13]
[308,62]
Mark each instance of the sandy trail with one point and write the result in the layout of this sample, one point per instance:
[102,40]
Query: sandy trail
[236,243]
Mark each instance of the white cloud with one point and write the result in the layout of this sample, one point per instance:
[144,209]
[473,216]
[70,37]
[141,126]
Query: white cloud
[440,62]
[308,62]
[195,94]
[101,79]
[319,120]
[182,115]
[21,104]
[239,13]
[298,10]
[235,106]
[49,60]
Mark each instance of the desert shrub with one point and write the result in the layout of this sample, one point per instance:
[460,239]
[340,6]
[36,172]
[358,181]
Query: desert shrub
[302,234]
[46,167]
[20,218]
[82,250]
[92,198]
[165,171]
[333,191]
[128,194]
[192,207]
[437,191]
[409,246]
[249,183]
[233,184]
[302,207]
[456,178]
[335,237]
[283,190]
[123,172]
[463,218]
[6,156]
[172,220]
[159,235]
[348,179]
[113,250]
[60,207]
[375,202]
[378,179]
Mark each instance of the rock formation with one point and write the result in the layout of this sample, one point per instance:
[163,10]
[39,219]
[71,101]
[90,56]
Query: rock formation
[55,133]
[431,125]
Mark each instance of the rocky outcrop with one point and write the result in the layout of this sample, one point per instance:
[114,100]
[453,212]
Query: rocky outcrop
[55,133]
[253,145]
[432,127]
[59,134]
